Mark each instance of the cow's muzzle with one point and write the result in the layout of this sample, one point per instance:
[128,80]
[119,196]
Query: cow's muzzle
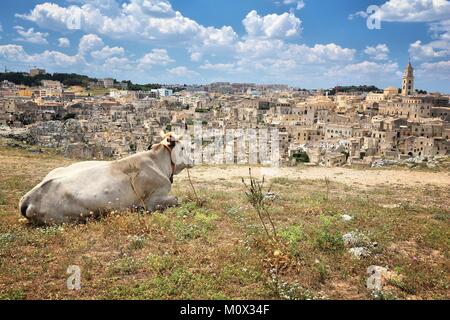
[24,208]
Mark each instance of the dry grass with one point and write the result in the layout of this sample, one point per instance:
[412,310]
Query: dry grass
[219,250]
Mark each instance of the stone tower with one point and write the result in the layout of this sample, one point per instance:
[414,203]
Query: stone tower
[408,81]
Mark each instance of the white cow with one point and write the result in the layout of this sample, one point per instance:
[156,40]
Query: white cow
[90,188]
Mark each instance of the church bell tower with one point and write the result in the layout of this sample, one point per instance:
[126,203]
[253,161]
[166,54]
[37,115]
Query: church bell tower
[408,81]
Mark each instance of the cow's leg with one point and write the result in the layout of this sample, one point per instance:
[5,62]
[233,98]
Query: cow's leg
[161,202]
[166,202]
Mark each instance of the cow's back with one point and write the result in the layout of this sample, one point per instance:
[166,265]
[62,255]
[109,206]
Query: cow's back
[73,168]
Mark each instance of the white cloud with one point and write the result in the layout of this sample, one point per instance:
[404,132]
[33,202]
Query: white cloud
[196,56]
[273,60]
[55,58]
[31,36]
[435,70]
[218,37]
[331,51]
[272,25]
[262,54]
[303,54]
[415,10]
[364,70]
[118,64]
[93,58]
[436,13]
[182,71]
[441,29]
[140,20]
[222,67]
[155,57]
[12,53]
[436,66]
[63,43]
[429,51]
[379,52]
[438,48]
[108,52]
[360,14]
[299,4]
[90,42]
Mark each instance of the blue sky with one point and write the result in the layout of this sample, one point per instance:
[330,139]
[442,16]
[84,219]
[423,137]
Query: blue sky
[309,43]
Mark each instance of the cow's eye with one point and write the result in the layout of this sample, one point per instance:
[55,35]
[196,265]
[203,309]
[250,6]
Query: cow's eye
[182,148]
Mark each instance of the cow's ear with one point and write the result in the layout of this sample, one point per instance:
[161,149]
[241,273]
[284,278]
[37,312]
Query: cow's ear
[162,134]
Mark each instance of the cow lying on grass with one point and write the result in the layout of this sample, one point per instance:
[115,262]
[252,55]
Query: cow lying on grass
[86,189]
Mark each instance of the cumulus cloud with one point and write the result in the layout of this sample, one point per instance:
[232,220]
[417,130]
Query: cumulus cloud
[182,72]
[196,56]
[93,57]
[415,10]
[31,36]
[439,70]
[264,52]
[89,42]
[63,42]
[222,67]
[274,48]
[438,48]
[142,20]
[108,52]
[299,5]
[12,52]
[429,51]
[441,29]
[155,57]
[272,25]
[435,13]
[275,60]
[411,11]
[379,52]
[435,66]
[364,72]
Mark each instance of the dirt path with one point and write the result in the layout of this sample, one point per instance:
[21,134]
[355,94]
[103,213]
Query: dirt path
[355,177]
[13,162]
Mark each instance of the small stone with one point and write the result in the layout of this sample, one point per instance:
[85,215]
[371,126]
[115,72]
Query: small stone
[356,239]
[359,252]
[346,218]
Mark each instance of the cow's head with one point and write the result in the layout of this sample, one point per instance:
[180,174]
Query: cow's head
[179,153]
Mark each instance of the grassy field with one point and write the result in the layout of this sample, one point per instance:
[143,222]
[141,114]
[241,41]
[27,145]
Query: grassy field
[220,250]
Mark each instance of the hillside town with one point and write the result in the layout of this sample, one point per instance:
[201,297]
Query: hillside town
[313,125]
